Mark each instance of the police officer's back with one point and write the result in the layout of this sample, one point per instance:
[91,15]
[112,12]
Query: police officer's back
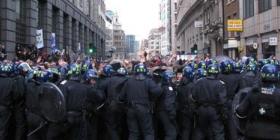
[11,103]
[138,93]
[166,107]
[210,97]
[185,112]
[94,101]
[261,107]
[75,94]
[250,77]
[114,113]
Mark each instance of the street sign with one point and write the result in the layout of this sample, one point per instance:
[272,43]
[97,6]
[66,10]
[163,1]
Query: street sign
[235,25]
[273,41]
[198,24]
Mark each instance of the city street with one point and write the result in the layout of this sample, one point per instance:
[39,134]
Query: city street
[139,70]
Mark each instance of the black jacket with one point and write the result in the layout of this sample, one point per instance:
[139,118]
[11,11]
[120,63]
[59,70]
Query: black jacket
[140,91]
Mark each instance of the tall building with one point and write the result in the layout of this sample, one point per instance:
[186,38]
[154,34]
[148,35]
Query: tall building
[165,18]
[232,38]
[109,47]
[154,42]
[174,15]
[115,41]
[132,46]
[118,39]
[260,34]
[200,26]
[189,36]
[144,46]
[70,20]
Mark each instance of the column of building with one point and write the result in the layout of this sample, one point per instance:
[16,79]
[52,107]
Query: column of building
[75,31]
[59,29]
[67,33]
[8,25]
[32,21]
[47,22]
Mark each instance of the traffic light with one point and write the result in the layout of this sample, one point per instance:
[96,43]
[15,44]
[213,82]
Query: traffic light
[92,48]
[194,49]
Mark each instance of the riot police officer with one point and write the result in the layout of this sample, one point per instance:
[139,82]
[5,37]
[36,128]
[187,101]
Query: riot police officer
[138,93]
[185,111]
[113,112]
[94,101]
[232,86]
[104,77]
[261,107]
[166,107]
[209,95]
[250,76]
[11,103]
[75,94]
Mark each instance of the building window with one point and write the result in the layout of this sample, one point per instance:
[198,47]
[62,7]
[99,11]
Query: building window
[248,8]
[278,2]
[264,5]
[81,3]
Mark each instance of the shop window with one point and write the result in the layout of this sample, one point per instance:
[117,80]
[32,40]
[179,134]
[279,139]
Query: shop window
[251,51]
[267,50]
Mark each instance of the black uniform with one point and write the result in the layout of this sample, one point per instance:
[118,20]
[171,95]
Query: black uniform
[166,111]
[210,97]
[261,108]
[138,93]
[250,79]
[94,101]
[32,111]
[113,112]
[75,94]
[232,83]
[12,118]
[102,134]
[185,109]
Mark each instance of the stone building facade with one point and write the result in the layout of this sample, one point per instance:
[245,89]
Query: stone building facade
[71,21]
[260,38]
[232,39]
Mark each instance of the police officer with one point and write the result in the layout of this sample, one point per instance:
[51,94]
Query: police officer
[261,107]
[185,112]
[75,94]
[138,93]
[11,103]
[250,76]
[200,73]
[209,95]
[104,77]
[232,85]
[94,101]
[35,121]
[166,107]
[114,114]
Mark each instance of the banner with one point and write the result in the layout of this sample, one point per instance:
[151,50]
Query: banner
[39,39]
[52,41]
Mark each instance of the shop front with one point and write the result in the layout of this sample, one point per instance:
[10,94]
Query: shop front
[252,47]
[269,43]
[231,48]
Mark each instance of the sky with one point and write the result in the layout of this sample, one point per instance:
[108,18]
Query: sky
[137,17]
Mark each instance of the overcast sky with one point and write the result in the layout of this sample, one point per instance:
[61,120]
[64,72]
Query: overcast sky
[136,16]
